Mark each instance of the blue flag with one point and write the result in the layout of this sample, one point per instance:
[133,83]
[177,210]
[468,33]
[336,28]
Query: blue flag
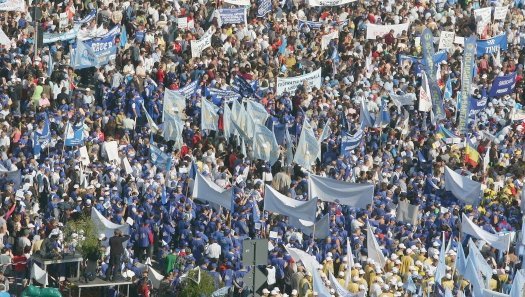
[74,135]
[366,118]
[123,36]
[50,65]
[350,142]
[461,262]
[41,137]
[447,94]
[193,170]
[163,196]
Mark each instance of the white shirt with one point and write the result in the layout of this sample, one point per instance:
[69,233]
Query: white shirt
[213,251]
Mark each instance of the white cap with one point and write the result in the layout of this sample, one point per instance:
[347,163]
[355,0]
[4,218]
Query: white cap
[265,291]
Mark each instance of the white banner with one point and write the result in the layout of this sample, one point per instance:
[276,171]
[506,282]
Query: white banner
[344,193]
[462,187]
[238,2]
[105,226]
[278,203]
[329,2]
[290,84]
[373,31]
[459,40]
[446,40]
[111,148]
[198,46]
[13,5]
[500,13]
[205,189]
[498,241]
[483,17]
[325,39]
[4,40]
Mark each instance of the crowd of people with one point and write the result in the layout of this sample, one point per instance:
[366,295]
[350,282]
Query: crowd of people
[48,182]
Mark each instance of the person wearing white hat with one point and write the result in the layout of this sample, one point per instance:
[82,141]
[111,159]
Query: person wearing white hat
[294,293]
[265,292]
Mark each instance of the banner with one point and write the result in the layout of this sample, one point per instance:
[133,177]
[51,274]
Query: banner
[344,193]
[63,21]
[104,47]
[425,104]
[189,89]
[492,45]
[503,85]
[313,3]
[263,8]
[309,262]
[231,16]
[238,2]
[96,54]
[462,187]
[427,47]
[498,241]
[222,94]
[243,87]
[54,37]
[290,84]
[466,82]
[13,5]
[310,24]
[500,12]
[159,158]
[483,17]
[205,189]
[325,39]
[446,40]
[105,226]
[286,206]
[373,31]
[350,142]
[403,100]
[198,46]
[477,105]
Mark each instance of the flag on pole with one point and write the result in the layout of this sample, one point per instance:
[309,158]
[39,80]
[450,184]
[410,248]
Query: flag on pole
[152,125]
[374,251]
[209,116]
[74,135]
[441,267]
[308,147]
[471,154]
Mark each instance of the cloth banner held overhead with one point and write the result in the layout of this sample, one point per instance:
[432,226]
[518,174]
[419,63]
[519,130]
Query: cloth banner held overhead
[344,193]
[264,7]
[498,241]
[230,16]
[309,261]
[278,203]
[314,3]
[290,84]
[374,31]
[205,189]
[462,187]
[491,45]
[105,226]
[503,85]
[407,212]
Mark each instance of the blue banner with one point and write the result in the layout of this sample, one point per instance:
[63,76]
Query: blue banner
[96,52]
[264,7]
[427,47]
[492,45]
[41,137]
[418,63]
[503,85]
[220,94]
[466,82]
[242,86]
[188,89]
[477,105]
[310,24]
[232,16]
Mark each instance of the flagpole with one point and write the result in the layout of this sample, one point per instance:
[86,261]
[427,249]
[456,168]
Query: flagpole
[64,144]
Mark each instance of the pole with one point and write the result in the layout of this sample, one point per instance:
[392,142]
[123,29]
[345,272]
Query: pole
[254,267]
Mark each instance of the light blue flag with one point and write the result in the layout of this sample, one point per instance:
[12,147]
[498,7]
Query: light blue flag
[447,94]
[123,36]
[384,115]
[322,226]
[227,122]
[265,145]
[209,116]
[257,115]
[308,147]
[319,286]
[84,56]
[160,158]
[50,65]
[472,275]
[163,196]
[327,131]
[479,261]
[366,118]
[350,142]
[152,125]
[74,135]
[172,130]
[173,103]
[461,262]
[340,290]
[441,267]
[517,284]
[289,146]
[410,285]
